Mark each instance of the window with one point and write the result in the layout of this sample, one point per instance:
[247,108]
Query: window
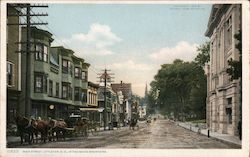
[36,110]
[50,88]
[57,89]
[229,33]
[10,74]
[45,53]
[40,83]
[70,92]
[84,76]
[70,68]
[84,96]
[229,110]
[77,94]
[66,67]
[41,52]
[77,72]
[66,91]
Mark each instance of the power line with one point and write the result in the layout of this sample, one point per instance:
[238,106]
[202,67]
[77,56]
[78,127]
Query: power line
[63,43]
[28,23]
[106,77]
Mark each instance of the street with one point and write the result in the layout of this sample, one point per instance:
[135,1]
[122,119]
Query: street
[158,134]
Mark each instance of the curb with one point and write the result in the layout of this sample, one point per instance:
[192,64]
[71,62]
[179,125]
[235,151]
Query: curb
[232,144]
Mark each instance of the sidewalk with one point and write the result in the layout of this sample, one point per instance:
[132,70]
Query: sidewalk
[229,139]
[10,140]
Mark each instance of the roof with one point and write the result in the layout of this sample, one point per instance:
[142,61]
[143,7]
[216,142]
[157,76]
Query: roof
[91,84]
[216,13]
[63,49]
[126,89]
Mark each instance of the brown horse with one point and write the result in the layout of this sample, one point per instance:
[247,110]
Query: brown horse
[25,126]
[58,128]
[42,127]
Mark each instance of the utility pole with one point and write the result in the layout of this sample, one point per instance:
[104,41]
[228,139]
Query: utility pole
[106,78]
[28,24]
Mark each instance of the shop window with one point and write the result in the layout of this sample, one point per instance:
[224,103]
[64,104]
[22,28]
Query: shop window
[36,111]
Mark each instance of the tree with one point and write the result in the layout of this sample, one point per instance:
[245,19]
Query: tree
[203,55]
[235,66]
[175,82]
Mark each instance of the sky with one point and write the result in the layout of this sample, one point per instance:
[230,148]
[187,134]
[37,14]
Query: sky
[131,40]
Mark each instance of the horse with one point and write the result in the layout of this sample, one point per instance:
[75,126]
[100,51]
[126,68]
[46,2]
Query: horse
[82,126]
[42,126]
[58,128]
[133,124]
[25,126]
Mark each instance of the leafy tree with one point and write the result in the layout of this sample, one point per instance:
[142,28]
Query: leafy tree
[235,66]
[175,82]
[203,55]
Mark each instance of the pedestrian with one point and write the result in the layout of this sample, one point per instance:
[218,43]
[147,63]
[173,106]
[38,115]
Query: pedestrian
[240,129]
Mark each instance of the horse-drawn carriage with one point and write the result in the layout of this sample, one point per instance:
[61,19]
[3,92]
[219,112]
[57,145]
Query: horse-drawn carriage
[133,124]
[52,129]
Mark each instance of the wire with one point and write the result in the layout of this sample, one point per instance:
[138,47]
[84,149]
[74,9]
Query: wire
[63,43]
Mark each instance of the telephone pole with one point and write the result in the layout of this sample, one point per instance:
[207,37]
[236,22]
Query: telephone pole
[105,78]
[26,54]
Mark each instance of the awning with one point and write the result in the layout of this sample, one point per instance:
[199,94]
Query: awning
[92,109]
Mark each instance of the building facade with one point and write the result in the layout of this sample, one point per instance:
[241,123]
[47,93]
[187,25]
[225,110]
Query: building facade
[101,103]
[58,79]
[223,99]
[13,64]
[126,89]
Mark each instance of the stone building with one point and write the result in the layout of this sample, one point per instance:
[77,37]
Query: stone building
[223,95]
